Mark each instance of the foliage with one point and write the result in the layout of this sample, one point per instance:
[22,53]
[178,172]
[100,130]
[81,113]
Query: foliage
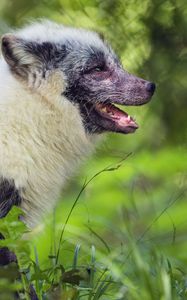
[135,269]
[126,236]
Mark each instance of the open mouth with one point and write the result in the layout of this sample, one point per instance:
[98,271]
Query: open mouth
[114,119]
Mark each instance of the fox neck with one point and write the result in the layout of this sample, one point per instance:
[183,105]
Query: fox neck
[42,142]
[64,146]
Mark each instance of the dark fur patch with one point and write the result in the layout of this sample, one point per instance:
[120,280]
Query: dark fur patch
[50,54]
[9,196]
[6,256]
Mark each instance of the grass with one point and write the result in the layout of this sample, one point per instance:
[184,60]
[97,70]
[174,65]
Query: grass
[118,260]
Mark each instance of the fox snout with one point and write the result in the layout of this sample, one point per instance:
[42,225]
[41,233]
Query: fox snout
[134,90]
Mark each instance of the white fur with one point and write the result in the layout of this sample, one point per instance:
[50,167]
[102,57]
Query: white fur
[47,31]
[42,138]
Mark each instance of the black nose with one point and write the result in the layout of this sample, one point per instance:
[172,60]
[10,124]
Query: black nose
[151,87]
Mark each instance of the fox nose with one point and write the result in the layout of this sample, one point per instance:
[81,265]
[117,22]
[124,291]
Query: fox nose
[151,87]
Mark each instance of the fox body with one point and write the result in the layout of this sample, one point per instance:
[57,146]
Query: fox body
[58,85]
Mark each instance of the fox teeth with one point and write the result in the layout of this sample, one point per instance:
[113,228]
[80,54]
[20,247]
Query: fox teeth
[128,118]
[104,109]
[111,113]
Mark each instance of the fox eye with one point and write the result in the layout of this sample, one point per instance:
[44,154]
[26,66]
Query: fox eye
[98,69]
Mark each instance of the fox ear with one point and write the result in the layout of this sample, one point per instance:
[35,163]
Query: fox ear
[18,55]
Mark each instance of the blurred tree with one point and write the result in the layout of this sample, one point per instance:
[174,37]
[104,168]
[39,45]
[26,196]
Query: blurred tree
[167,64]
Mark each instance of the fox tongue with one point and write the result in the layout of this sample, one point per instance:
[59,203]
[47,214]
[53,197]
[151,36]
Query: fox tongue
[120,117]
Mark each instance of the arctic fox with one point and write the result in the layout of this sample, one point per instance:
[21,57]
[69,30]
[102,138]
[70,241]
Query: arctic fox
[59,86]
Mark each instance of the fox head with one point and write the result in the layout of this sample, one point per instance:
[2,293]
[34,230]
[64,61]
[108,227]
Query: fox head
[90,75]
